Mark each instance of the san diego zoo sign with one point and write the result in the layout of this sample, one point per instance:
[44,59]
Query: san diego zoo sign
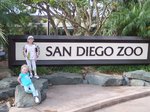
[63,50]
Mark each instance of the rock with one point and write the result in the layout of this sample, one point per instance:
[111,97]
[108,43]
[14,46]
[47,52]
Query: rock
[64,78]
[8,82]
[85,82]
[126,80]
[114,81]
[135,82]
[104,79]
[4,73]
[138,74]
[40,83]
[23,99]
[8,104]
[147,84]
[7,87]
[4,108]
[6,93]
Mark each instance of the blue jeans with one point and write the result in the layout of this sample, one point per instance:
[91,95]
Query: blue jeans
[31,89]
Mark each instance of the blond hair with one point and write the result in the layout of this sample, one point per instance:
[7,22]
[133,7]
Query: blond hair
[24,66]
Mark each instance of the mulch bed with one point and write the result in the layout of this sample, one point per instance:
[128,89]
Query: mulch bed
[11,100]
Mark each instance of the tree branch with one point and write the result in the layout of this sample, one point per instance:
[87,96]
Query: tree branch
[65,28]
[102,20]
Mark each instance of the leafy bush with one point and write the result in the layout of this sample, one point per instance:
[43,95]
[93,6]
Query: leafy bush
[16,70]
[131,20]
[119,69]
[111,69]
[71,69]
[42,70]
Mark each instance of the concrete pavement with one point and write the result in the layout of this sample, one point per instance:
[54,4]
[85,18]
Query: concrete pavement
[137,105]
[85,98]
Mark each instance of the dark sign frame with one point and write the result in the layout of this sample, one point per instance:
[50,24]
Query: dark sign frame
[83,39]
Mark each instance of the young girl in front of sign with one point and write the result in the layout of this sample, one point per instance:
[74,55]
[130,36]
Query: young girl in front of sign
[26,82]
[31,53]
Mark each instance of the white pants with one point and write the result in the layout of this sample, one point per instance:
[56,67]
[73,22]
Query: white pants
[31,89]
[31,64]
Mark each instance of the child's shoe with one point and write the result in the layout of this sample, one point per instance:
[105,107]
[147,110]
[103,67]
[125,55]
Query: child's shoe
[36,76]
[36,99]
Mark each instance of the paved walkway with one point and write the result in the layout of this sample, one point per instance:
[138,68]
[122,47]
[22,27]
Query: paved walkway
[85,98]
[137,105]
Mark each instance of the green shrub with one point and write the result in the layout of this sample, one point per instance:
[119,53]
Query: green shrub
[42,70]
[119,69]
[71,69]
[111,69]
[16,70]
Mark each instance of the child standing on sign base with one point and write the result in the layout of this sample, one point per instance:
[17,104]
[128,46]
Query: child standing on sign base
[26,82]
[31,53]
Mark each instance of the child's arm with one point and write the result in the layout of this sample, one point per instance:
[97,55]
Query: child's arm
[19,80]
[24,51]
[37,49]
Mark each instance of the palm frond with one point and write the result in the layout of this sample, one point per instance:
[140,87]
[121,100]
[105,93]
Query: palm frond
[133,20]
[3,40]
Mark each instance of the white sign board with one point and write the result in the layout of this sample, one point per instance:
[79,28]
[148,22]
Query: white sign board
[87,51]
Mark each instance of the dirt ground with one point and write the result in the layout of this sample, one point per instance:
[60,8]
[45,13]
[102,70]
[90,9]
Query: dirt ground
[4,64]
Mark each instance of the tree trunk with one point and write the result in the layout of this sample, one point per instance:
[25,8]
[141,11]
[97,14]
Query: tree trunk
[53,24]
[65,28]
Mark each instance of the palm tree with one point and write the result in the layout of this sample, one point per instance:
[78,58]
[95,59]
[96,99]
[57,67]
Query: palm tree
[2,37]
[131,21]
[5,19]
[12,14]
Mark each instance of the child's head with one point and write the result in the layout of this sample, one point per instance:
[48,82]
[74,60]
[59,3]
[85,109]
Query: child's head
[30,39]
[24,68]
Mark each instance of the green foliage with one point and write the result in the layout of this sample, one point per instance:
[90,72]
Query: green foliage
[15,18]
[80,14]
[22,25]
[16,70]
[111,69]
[7,10]
[40,70]
[3,40]
[5,18]
[70,69]
[81,3]
[46,70]
[52,2]
[43,70]
[119,69]
[133,20]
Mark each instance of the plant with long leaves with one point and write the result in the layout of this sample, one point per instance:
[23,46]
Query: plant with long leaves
[14,17]
[133,20]
[3,40]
